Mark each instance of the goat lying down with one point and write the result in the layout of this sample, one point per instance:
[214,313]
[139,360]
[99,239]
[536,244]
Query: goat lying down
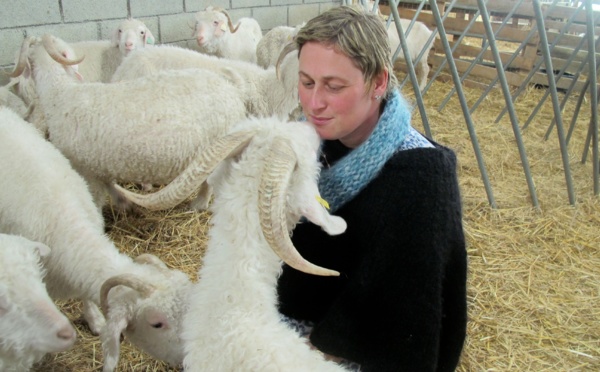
[267,183]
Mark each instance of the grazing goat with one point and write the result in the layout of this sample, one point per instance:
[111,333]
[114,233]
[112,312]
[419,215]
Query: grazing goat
[216,35]
[43,199]
[143,131]
[263,93]
[260,194]
[30,323]
[101,60]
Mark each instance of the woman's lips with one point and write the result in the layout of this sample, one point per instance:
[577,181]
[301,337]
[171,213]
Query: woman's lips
[316,120]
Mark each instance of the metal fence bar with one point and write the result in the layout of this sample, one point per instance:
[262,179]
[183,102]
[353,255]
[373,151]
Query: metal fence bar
[484,47]
[463,102]
[561,72]
[435,32]
[507,98]
[411,67]
[593,94]
[532,32]
[568,94]
[555,104]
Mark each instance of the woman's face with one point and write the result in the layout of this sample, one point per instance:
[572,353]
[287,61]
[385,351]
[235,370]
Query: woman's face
[333,95]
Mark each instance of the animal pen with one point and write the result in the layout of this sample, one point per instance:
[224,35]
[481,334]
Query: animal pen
[513,90]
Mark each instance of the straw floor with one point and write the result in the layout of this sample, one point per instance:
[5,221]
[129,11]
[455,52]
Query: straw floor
[534,274]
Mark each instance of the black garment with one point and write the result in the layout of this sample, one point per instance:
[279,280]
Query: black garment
[400,302]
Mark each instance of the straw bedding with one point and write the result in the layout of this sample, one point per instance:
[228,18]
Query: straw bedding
[534,274]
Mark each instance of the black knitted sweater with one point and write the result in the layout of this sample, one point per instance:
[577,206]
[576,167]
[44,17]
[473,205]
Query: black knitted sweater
[400,302]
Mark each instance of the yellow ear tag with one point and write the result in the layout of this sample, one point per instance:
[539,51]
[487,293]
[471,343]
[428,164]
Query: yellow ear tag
[223,27]
[322,201]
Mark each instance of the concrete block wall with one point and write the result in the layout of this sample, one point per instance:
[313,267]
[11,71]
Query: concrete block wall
[169,20]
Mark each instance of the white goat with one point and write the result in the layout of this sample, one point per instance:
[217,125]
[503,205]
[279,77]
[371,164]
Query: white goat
[143,131]
[102,57]
[233,323]
[216,35]
[272,43]
[263,93]
[30,323]
[43,199]
[416,41]
[12,101]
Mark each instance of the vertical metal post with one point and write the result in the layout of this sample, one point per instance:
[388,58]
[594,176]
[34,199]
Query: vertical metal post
[593,91]
[463,101]
[411,68]
[507,98]
[555,104]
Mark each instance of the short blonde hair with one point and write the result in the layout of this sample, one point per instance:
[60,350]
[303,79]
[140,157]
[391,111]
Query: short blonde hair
[358,34]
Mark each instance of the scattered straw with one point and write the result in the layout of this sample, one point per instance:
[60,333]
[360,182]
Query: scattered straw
[534,275]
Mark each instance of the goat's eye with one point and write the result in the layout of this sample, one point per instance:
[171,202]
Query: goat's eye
[142,32]
[157,325]
[216,23]
[120,31]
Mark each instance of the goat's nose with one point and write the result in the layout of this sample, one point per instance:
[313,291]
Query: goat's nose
[200,39]
[66,333]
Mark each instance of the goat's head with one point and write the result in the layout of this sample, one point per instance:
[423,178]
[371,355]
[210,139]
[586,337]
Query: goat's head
[130,35]
[147,309]
[29,319]
[290,176]
[46,52]
[212,24]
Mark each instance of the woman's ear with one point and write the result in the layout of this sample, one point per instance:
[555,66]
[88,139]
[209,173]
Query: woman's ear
[380,83]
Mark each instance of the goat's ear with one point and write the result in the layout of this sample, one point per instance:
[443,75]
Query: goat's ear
[41,249]
[317,214]
[114,38]
[111,341]
[148,38]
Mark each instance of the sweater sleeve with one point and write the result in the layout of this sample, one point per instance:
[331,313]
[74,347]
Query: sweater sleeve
[401,301]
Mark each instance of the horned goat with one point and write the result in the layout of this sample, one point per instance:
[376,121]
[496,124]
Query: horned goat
[30,323]
[272,43]
[143,131]
[264,94]
[233,323]
[217,36]
[102,57]
[43,199]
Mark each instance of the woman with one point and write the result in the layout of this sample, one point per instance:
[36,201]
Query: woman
[400,302]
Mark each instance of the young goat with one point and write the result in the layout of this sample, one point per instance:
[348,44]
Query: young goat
[30,323]
[43,199]
[260,194]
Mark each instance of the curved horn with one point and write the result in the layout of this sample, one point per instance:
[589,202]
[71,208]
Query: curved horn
[272,203]
[229,23]
[290,47]
[193,175]
[128,280]
[48,42]
[23,54]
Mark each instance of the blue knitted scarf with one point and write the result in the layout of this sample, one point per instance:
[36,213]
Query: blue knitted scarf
[346,178]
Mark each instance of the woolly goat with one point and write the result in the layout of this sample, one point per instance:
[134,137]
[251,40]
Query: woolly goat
[142,131]
[30,323]
[43,199]
[261,192]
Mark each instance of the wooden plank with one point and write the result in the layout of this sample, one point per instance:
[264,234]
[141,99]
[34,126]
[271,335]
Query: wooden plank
[472,51]
[479,72]
[525,10]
